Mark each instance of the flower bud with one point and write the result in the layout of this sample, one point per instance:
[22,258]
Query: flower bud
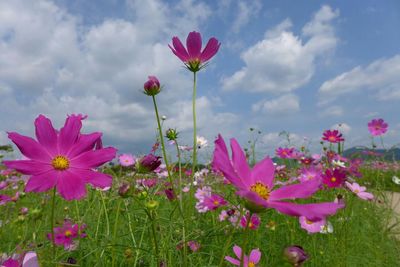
[152,204]
[124,189]
[148,163]
[295,255]
[172,134]
[152,86]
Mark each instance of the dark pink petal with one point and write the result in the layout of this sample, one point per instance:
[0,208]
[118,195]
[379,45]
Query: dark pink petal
[28,166]
[255,256]
[193,44]
[29,147]
[240,163]
[210,50]
[253,197]
[84,143]
[97,179]
[232,260]
[69,133]
[222,163]
[179,50]
[312,212]
[93,159]
[70,186]
[42,182]
[46,134]
[303,190]
[263,172]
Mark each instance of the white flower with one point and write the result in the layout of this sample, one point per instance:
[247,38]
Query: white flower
[327,228]
[201,142]
[396,180]
[163,117]
[338,163]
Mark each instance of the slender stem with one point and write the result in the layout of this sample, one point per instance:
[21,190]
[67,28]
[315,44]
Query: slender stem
[105,212]
[153,230]
[246,239]
[140,244]
[115,231]
[162,140]
[194,127]
[53,204]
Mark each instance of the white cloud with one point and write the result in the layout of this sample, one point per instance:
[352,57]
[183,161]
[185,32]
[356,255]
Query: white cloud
[274,140]
[246,11]
[342,127]
[282,61]
[332,111]
[284,104]
[381,77]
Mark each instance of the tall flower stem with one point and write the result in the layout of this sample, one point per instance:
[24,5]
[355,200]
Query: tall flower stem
[153,231]
[246,239]
[194,127]
[162,140]
[53,204]
[115,231]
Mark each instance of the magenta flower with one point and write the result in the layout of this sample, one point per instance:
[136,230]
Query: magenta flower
[254,221]
[126,160]
[148,163]
[377,127]
[310,173]
[311,226]
[193,57]
[214,201]
[285,153]
[152,86]
[249,261]
[360,191]
[194,245]
[332,136]
[10,263]
[65,235]
[295,255]
[334,178]
[63,159]
[256,185]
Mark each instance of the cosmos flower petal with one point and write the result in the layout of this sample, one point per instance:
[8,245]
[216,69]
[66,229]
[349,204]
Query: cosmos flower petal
[222,163]
[30,260]
[232,260]
[240,162]
[28,166]
[264,171]
[210,50]
[193,44]
[93,159]
[29,147]
[365,195]
[46,134]
[97,179]
[84,143]
[313,212]
[255,256]
[238,251]
[70,186]
[179,50]
[69,133]
[42,182]
[253,197]
[303,190]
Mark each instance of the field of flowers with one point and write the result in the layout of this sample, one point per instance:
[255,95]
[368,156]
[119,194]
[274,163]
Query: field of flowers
[72,201]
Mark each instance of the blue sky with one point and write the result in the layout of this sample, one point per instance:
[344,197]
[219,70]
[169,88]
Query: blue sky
[302,67]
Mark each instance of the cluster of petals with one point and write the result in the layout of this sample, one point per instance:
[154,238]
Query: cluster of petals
[248,260]
[253,223]
[28,259]
[360,191]
[332,136]
[334,178]
[126,160]
[310,173]
[64,159]
[66,234]
[207,201]
[286,153]
[192,55]
[377,127]
[312,226]
[256,185]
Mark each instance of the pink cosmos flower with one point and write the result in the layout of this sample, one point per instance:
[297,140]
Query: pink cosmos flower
[214,201]
[256,184]
[194,245]
[65,235]
[334,178]
[249,261]
[377,127]
[193,57]
[285,153]
[360,191]
[126,160]
[311,226]
[309,174]
[332,136]
[152,86]
[64,159]
[254,221]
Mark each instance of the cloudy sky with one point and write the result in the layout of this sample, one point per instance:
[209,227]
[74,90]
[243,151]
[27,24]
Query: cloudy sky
[300,68]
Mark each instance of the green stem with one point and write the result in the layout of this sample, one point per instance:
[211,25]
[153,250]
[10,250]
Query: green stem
[246,239]
[53,204]
[162,140]
[105,212]
[153,230]
[115,231]
[194,127]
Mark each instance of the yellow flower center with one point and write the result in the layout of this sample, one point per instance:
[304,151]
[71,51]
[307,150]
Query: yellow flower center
[332,138]
[60,163]
[309,222]
[356,191]
[261,190]
[333,179]
[250,225]
[216,202]
[251,264]
[68,233]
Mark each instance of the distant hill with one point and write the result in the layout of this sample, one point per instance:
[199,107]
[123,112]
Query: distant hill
[368,153]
